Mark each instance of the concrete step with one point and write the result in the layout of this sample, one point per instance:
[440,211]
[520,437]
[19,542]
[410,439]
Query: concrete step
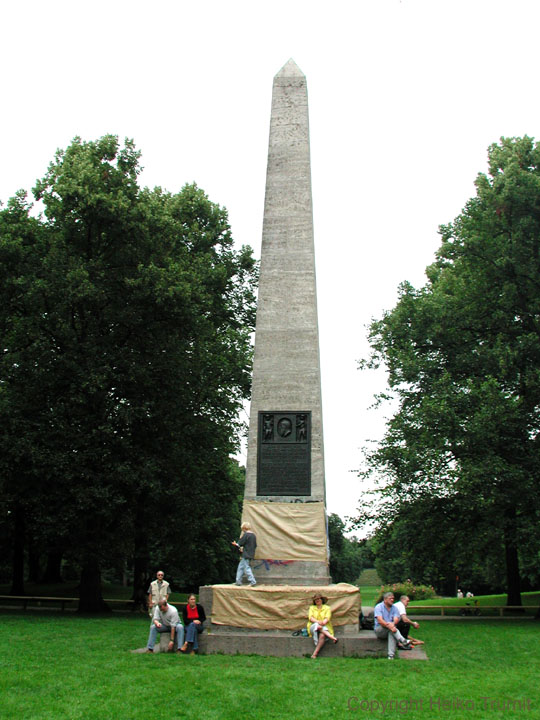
[277,643]
[283,644]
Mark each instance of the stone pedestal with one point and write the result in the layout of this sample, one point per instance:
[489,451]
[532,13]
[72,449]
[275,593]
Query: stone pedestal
[283,644]
[295,573]
[232,639]
[277,607]
[163,645]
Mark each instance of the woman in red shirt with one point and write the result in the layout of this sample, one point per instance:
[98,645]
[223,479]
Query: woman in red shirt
[194,616]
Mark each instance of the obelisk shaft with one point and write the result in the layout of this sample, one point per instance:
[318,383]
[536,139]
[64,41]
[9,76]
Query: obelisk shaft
[286,370]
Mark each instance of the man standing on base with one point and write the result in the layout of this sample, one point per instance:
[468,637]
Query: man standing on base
[386,618]
[166,619]
[246,544]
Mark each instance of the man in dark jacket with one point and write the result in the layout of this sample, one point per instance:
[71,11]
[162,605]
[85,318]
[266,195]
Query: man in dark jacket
[246,545]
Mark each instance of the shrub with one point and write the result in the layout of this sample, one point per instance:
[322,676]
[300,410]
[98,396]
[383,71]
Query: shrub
[412,590]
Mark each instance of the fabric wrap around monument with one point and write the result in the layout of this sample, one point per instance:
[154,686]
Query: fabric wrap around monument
[281,607]
[288,531]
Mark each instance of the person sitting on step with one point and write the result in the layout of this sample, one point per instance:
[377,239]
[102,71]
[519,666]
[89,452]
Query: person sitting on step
[319,623]
[166,619]
[193,616]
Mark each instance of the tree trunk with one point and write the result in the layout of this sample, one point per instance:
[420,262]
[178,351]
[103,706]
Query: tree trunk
[17,577]
[140,559]
[90,597]
[34,564]
[53,569]
[513,579]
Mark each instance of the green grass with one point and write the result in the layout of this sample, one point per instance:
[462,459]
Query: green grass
[369,577]
[73,667]
[370,594]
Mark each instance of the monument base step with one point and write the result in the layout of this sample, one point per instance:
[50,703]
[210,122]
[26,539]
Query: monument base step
[161,646]
[339,631]
[283,644]
[294,573]
[276,606]
[321,582]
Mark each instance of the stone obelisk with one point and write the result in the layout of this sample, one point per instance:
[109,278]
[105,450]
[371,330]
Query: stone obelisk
[285,485]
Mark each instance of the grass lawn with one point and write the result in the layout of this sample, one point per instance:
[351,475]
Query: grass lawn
[66,666]
[370,594]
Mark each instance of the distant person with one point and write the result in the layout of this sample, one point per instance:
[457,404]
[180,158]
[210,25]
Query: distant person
[386,618]
[246,544]
[193,616]
[460,594]
[319,625]
[469,594]
[404,624]
[159,589]
[166,619]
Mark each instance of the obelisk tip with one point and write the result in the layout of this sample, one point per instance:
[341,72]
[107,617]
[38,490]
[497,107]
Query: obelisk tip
[290,69]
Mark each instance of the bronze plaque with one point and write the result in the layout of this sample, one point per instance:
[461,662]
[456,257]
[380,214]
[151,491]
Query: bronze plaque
[284,453]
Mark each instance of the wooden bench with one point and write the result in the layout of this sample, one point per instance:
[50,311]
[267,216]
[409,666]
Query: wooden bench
[25,600]
[39,600]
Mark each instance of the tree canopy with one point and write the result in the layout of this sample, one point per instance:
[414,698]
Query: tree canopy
[463,359]
[126,316]
[348,556]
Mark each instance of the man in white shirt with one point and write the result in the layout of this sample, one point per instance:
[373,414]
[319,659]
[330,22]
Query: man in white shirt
[166,619]
[404,624]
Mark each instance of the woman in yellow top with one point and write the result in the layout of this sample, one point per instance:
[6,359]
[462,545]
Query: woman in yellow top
[319,623]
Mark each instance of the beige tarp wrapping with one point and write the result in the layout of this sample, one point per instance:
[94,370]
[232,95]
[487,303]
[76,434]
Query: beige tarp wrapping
[281,607]
[288,531]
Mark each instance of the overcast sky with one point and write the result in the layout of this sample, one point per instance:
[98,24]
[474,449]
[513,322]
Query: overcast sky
[405,97]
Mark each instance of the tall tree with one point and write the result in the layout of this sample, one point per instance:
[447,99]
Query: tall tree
[346,554]
[463,355]
[435,540]
[126,319]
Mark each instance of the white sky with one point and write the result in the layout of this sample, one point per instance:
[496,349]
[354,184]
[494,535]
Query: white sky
[405,97]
